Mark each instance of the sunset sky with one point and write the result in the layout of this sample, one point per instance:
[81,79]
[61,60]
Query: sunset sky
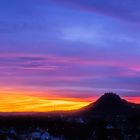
[64,54]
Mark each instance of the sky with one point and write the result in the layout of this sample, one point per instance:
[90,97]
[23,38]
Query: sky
[64,54]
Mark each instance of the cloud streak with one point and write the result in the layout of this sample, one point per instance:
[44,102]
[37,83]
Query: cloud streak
[68,72]
[127,9]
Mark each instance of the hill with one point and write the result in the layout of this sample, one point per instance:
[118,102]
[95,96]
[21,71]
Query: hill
[110,104]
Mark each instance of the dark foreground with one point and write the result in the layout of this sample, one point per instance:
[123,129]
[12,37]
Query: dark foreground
[69,128]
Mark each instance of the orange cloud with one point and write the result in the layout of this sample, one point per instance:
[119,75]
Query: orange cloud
[133,99]
[22,102]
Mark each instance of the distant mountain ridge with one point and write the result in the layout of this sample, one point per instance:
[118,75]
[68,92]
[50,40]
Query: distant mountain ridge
[110,104]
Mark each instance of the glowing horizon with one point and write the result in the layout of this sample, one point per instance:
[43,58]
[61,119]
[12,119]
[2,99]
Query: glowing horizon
[21,101]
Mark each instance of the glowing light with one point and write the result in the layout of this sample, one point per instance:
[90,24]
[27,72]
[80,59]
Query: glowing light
[27,103]
[133,99]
